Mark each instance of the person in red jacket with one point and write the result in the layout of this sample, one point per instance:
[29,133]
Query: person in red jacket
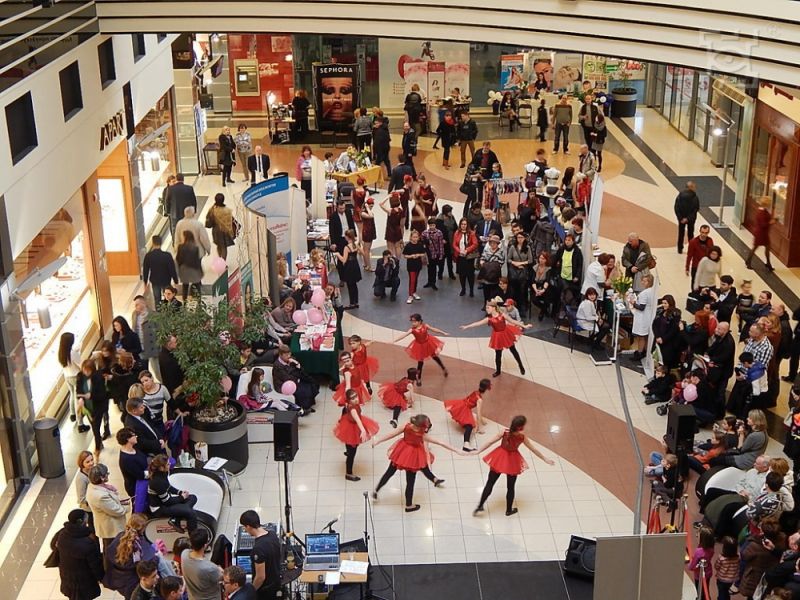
[763,220]
[697,250]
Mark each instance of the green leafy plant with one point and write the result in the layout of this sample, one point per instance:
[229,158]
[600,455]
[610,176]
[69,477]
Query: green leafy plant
[622,284]
[207,336]
[624,77]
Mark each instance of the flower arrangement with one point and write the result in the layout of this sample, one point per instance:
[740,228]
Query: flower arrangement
[621,284]
[361,158]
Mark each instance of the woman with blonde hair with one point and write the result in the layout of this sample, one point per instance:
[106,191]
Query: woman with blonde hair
[123,554]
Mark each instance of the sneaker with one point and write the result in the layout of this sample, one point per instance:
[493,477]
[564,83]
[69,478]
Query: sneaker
[410,300]
[417,297]
[393,423]
[352,478]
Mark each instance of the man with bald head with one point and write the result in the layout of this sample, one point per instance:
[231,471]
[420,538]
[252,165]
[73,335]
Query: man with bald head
[189,222]
[258,165]
[721,357]
[753,480]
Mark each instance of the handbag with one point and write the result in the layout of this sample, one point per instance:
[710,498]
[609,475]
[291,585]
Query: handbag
[489,272]
[54,558]
[651,262]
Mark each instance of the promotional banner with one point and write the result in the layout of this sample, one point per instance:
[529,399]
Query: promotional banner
[568,71]
[543,63]
[636,70]
[235,289]
[594,69]
[336,94]
[394,54]
[284,209]
[511,71]
[436,87]
[246,281]
[416,73]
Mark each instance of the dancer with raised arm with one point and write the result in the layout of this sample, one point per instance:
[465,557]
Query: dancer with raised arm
[353,429]
[505,333]
[367,366]
[350,380]
[411,454]
[461,411]
[424,345]
[507,460]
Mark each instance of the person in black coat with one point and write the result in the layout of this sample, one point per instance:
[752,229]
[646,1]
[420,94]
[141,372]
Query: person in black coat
[721,355]
[177,198]
[158,269]
[125,338]
[300,106]
[399,172]
[227,154]
[487,227]
[484,159]
[381,142]
[92,394]
[172,375]
[667,333]
[258,163]
[409,145]
[80,564]
[542,120]
[148,434]
[341,220]
[725,299]
[687,205]
[794,350]
[286,368]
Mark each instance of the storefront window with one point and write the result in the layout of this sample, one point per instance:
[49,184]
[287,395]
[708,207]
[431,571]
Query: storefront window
[60,303]
[667,106]
[770,171]
[687,102]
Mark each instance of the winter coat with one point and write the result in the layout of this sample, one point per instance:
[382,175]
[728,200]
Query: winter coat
[109,514]
[757,560]
[542,237]
[80,564]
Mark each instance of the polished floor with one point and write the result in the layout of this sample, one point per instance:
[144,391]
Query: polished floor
[574,408]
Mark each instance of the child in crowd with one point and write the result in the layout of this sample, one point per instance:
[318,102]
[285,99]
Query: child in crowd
[461,412]
[497,171]
[754,372]
[512,312]
[704,551]
[316,260]
[669,486]
[659,388]
[414,252]
[727,567]
[728,427]
[367,366]
[582,193]
[700,459]
[333,300]
[398,396]
[744,300]
[329,165]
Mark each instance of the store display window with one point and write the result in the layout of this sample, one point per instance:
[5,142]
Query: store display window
[61,303]
[770,171]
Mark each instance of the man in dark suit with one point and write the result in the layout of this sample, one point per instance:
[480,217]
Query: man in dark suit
[258,165]
[381,142]
[234,582]
[148,433]
[340,221]
[179,196]
[158,269]
[409,144]
[400,170]
[484,159]
[486,227]
[721,355]
[725,300]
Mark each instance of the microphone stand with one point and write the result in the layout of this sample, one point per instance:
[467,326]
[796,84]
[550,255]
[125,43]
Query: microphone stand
[369,595]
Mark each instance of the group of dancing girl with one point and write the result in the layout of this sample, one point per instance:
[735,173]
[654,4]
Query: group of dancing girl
[411,451]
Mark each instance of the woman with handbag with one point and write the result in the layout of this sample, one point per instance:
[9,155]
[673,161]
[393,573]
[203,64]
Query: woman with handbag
[491,267]
[520,259]
[93,400]
[542,285]
[222,224]
[465,251]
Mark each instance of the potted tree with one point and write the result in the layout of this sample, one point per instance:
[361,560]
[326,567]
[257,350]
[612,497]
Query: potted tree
[207,336]
[624,104]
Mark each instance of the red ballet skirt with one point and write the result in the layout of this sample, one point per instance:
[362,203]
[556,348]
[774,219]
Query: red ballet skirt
[393,395]
[461,409]
[506,459]
[504,335]
[424,345]
[410,453]
[367,366]
[347,431]
[357,384]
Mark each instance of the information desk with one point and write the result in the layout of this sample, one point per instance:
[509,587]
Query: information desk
[314,576]
[372,175]
[320,362]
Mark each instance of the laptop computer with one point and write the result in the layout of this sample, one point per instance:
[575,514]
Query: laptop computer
[322,552]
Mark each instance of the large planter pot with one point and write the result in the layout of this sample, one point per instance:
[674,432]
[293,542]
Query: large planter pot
[226,440]
[624,104]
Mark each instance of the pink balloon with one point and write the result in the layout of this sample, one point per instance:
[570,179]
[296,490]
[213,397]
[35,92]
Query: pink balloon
[299,317]
[288,388]
[218,265]
[315,316]
[226,384]
[318,297]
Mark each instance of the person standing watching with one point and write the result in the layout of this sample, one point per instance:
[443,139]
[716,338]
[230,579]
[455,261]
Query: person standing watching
[300,106]
[698,249]
[562,119]
[244,147]
[178,197]
[687,205]
[587,117]
[467,133]
[362,127]
[80,565]
[227,155]
[381,143]
[258,165]
[158,269]
[409,147]
[234,582]
[202,576]
[109,510]
[265,555]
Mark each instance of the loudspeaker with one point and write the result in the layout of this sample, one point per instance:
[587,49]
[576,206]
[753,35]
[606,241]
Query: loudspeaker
[284,428]
[580,557]
[681,424]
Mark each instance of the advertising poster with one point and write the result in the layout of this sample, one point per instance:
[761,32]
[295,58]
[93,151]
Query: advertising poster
[416,73]
[543,63]
[436,88]
[235,289]
[394,54]
[246,281]
[336,94]
[511,71]
[636,70]
[594,69]
[567,71]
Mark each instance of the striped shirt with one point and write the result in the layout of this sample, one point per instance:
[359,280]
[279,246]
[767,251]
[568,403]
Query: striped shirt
[727,568]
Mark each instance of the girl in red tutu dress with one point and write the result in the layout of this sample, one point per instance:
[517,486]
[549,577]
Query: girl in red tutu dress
[350,380]
[366,366]
[505,332]
[424,345]
[398,396]
[411,454]
[461,411]
[507,460]
[353,429]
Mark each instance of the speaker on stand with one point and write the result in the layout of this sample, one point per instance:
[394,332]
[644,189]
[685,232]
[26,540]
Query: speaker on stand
[681,426]
[580,557]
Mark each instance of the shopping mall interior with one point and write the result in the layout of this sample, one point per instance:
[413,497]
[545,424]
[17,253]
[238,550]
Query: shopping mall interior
[677,118]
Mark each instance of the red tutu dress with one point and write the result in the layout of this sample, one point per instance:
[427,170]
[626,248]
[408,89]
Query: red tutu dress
[347,431]
[424,345]
[504,335]
[366,366]
[393,395]
[506,459]
[461,409]
[410,453]
[356,383]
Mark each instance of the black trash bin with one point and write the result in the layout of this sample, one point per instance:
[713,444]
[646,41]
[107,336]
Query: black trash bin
[48,446]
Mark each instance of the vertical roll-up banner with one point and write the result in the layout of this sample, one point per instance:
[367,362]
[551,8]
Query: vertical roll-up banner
[336,94]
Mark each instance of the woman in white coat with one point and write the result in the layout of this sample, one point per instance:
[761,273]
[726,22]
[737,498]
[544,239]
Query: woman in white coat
[642,316]
[109,510]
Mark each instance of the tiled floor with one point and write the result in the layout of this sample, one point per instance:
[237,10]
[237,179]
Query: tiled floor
[574,408]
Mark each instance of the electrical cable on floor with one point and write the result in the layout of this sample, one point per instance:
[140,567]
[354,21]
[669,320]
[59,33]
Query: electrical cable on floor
[382,568]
